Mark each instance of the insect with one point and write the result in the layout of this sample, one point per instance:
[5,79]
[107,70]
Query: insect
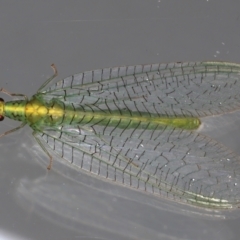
[137,126]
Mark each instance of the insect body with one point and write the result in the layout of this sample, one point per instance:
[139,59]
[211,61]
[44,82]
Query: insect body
[136,125]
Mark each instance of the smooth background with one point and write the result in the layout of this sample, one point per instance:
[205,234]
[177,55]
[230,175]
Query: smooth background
[86,35]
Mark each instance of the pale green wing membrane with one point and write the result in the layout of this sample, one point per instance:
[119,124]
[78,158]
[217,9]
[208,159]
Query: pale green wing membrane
[160,159]
[173,163]
[193,89]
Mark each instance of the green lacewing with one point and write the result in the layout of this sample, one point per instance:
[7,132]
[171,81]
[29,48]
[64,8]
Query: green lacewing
[137,126]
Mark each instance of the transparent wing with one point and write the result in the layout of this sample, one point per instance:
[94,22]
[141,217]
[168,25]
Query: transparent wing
[188,89]
[177,164]
[159,159]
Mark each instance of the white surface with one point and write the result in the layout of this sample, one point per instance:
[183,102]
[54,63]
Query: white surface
[86,35]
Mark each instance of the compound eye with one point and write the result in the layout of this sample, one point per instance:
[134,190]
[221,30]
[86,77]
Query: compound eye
[1,116]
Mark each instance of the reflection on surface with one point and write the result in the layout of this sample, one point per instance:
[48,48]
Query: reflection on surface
[9,236]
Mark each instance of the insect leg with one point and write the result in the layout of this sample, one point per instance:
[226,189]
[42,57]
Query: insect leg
[55,73]
[13,94]
[12,130]
[44,149]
